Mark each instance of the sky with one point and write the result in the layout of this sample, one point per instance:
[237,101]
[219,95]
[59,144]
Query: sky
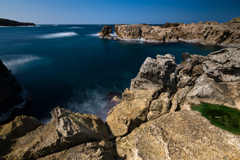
[119,11]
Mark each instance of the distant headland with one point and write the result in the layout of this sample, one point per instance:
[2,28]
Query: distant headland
[7,22]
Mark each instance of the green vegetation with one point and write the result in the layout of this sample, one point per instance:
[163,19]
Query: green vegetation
[221,116]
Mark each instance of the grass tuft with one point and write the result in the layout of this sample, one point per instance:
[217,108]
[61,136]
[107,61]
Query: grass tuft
[221,116]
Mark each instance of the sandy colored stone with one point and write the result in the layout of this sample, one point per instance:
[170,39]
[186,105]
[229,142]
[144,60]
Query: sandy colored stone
[182,135]
[155,76]
[223,65]
[65,130]
[211,33]
[20,126]
[89,151]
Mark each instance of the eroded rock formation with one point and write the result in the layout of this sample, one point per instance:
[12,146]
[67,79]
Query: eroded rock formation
[66,129]
[105,33]
[208,33]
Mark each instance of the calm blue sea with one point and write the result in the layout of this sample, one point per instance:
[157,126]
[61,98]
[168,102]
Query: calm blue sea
[68,65]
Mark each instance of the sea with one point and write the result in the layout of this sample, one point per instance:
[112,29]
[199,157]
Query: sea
[71,67]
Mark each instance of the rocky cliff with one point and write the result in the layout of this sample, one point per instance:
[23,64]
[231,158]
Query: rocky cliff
[7,22]
[207,33]
[153,120]
[12,94]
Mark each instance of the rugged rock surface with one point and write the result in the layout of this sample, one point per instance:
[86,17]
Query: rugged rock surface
[90,151]
[105,33]
[7,22]
[158,90]
[66,129]
[210,33]
[152,121]
[11,92]
[212,79]
[180,135]
[20,126]
[155,77]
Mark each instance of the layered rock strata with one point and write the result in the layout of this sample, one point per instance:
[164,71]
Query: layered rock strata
[208,33]
[12,94]
[7,22]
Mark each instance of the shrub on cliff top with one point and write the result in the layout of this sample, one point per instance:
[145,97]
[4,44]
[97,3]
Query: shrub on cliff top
[221,116]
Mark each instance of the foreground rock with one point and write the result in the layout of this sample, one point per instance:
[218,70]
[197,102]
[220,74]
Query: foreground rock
[12,93]
[159,89]
[7,22]
[180,135]
[90,151]
[208,33]
[17,128]
[66,129]
[145,88]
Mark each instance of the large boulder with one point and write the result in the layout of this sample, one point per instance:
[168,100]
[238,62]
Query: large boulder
[11,93]
[155,74]
[179,135]
[154,78]
[65,130]
[223,65]
[17,128]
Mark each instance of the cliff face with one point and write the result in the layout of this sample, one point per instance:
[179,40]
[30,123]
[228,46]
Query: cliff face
[212,33]
[7,22]
[153,121]
[11,92]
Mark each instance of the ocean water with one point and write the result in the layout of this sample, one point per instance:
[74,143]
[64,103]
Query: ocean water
[69,66]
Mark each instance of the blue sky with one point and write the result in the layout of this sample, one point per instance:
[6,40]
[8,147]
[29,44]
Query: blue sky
[119,11]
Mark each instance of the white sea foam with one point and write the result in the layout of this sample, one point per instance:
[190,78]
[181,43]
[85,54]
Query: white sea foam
[113,34]
[13,61]
[96,104]
[76,28]
[58,35]
[94,34]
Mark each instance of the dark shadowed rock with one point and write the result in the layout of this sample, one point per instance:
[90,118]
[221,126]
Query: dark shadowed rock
[7,22]
[11,92]
[185,56]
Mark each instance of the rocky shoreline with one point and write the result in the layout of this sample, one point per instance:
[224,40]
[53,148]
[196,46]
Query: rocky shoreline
[207,33]
[153,120]
[12,94]
[7,22]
